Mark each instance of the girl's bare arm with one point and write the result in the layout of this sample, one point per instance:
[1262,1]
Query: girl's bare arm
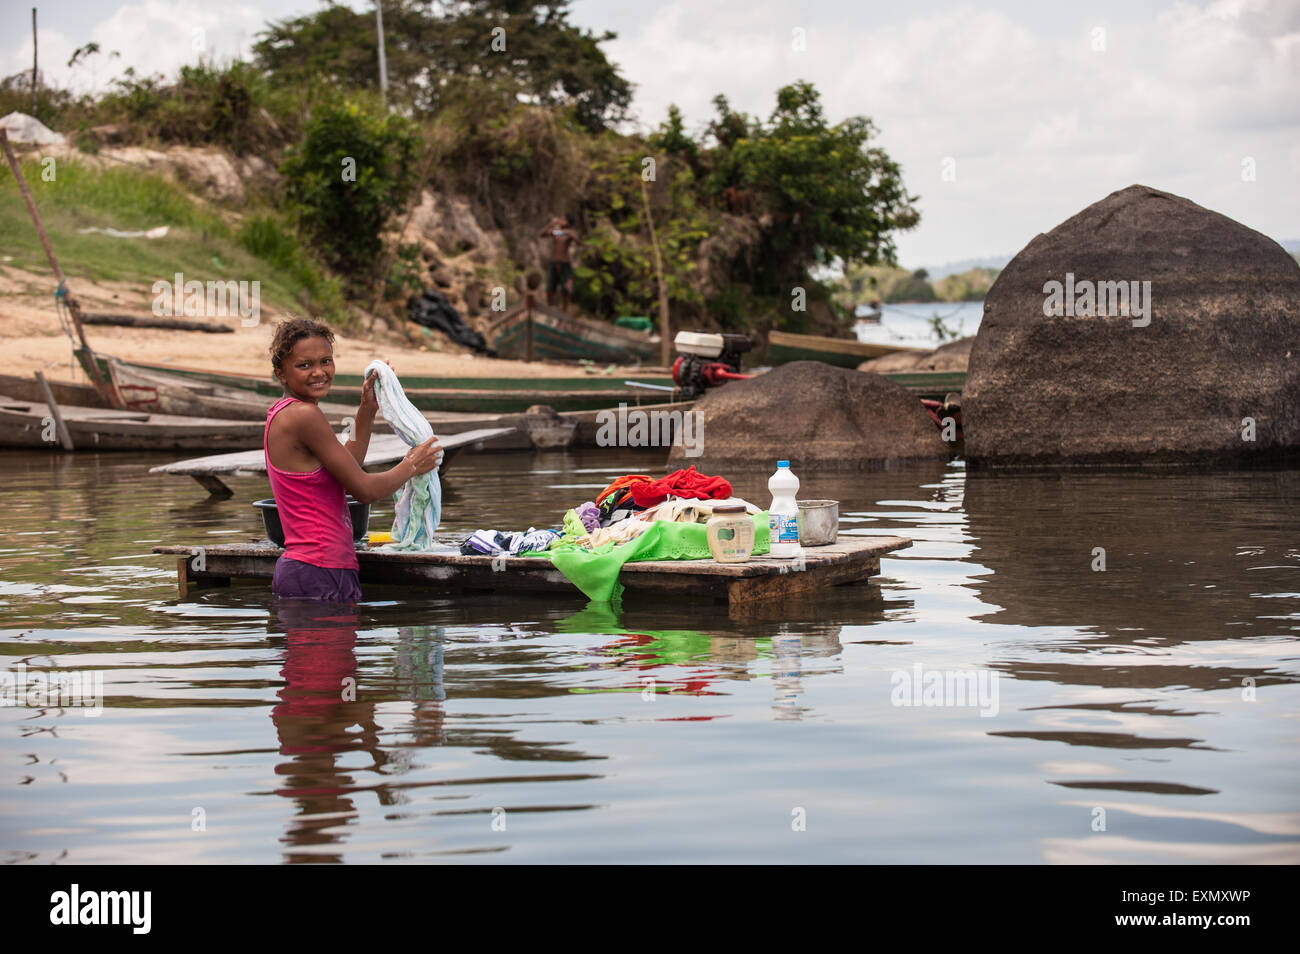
[313,432]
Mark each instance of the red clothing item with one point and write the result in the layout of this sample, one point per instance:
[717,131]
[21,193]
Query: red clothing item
[682,483]
[623,482]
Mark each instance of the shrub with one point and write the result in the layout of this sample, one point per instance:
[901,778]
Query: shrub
[351,173]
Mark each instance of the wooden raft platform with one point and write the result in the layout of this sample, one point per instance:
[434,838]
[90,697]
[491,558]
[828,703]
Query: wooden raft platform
[847,560]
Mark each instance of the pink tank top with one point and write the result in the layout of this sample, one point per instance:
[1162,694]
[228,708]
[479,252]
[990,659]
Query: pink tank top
[313,510]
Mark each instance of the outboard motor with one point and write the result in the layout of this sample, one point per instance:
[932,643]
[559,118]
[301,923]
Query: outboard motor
[707,360]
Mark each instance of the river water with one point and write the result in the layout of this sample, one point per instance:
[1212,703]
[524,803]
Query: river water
[1131,645]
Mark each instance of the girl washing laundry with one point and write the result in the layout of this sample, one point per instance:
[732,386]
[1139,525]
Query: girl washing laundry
[310,470]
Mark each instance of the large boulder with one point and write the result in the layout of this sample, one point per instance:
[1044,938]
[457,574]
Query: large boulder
[1202,365]
[814,415]
[953,356]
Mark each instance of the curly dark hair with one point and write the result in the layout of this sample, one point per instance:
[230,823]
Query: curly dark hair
[292,330]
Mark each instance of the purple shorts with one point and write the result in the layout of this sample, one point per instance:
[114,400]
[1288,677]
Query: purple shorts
[294,580]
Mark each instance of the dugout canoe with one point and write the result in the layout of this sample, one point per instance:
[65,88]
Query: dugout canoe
[159,392]
[784,347]
[430,394]
[531,331]
[30,424]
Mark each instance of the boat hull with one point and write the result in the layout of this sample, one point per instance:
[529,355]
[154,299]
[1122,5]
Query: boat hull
[460,395]
[784,347]
[533,331]
[30,425]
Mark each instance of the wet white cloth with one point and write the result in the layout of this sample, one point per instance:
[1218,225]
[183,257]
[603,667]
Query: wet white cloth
[418,504]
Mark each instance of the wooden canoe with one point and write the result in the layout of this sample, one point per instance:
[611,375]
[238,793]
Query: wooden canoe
[161,392]
[784,347]
[531,331]
[30,424]
[453,395]
[26,388]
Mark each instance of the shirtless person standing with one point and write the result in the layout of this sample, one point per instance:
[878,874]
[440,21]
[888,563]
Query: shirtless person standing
[559,277]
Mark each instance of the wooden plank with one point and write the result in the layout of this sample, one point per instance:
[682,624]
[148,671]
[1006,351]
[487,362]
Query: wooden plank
[849,559]
[64,437]
[384,449]
[214,486]
[188,580]
[831,349]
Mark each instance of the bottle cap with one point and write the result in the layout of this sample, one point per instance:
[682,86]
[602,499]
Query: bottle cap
[783,463]
[730,508]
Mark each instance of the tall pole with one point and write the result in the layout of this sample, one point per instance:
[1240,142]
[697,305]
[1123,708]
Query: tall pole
[665,344]
[105,389]
[33,61]
[383,62]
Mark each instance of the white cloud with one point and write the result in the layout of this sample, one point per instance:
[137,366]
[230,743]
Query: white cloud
[1039,122]
[156,36]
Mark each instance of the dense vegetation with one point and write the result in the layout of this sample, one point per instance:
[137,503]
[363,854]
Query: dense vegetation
[513,109]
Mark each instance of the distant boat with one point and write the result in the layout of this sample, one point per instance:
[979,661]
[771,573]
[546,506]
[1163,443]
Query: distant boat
[531,331]
[160,392]
[217,394]
[30,424]
[783,347]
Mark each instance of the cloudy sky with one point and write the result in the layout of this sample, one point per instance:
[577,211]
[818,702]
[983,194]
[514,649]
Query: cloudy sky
[1006,117]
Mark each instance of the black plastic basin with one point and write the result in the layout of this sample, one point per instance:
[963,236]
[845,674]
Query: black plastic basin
[360,513]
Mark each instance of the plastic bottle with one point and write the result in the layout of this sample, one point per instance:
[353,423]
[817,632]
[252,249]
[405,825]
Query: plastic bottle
[783,515]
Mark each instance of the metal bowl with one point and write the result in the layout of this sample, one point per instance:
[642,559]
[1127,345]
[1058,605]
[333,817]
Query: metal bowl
[819,522]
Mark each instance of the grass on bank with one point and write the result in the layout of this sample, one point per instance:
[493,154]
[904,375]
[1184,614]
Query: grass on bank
[199,243]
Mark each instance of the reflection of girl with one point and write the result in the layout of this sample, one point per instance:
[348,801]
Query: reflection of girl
[309,469]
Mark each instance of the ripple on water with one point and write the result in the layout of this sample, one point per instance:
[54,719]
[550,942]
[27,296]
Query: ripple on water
[1152,693]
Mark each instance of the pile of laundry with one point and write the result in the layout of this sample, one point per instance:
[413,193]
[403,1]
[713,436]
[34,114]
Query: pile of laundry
[621,512]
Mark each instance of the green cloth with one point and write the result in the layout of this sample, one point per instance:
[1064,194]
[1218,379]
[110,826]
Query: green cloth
[573,529]
[595,572]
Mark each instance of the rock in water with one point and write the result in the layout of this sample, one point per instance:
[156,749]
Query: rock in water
[811,414]
[1144,330]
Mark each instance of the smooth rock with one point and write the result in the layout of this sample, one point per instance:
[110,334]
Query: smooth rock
[1213,361]
[817,416]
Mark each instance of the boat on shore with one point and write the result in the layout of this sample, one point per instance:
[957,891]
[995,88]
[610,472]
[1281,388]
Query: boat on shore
[784,347]
[532,331]
[218,393]
[159,392]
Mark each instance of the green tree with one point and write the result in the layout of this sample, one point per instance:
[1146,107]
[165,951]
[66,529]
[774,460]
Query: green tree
[823,192]
[436,52]
[351,173]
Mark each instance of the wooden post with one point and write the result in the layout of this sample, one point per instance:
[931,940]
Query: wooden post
[64,437]
[33,62]
[528,329]
[665,344]
[383,63]
[104,389]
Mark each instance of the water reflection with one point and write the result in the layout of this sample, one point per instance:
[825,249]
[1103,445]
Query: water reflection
[318,705]
[1149,561]
[1161,689]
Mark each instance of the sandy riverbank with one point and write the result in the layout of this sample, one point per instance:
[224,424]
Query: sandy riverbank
[31,340]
